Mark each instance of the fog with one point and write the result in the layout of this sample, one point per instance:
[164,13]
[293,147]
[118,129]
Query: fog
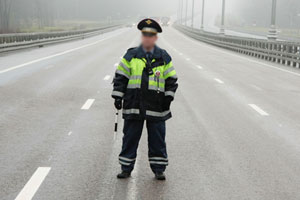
[20,15]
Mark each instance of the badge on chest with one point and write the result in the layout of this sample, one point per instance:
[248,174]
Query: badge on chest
[157,73]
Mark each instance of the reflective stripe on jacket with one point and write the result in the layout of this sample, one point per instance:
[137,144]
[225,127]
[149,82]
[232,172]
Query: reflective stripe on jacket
[145,94]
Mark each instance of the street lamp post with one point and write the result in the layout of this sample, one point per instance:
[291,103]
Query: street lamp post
[222,29]
[202,19]
[273,30]
[186,11]
[178,10]
[192,25]
[181,10]
[298,15]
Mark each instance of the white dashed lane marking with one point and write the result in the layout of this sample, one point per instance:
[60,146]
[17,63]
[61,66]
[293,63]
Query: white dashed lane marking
[107,77]
[199,67]
[87,104]
[33,184]
[219,81]
[259,110]
[256,87]
[70,133]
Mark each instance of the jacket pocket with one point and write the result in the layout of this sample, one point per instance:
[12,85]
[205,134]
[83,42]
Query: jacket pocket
[130,99]
[157,102]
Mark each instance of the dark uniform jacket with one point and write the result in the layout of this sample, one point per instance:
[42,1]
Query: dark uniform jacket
[147,86]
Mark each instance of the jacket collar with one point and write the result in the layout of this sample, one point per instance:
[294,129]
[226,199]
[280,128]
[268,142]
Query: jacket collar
[156,54]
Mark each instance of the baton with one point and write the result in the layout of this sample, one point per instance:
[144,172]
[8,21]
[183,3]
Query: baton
[116,124]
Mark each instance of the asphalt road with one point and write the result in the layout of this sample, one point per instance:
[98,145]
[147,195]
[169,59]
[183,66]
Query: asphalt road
[235,133]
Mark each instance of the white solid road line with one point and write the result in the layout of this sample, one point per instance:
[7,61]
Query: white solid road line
[259,110]
[199,67]
[87,104]
[239,56]
[107,77]
[55,55]
[218,80]
[33,184]
[116,65]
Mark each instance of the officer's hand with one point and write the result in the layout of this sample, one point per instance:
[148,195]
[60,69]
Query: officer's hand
[118,104]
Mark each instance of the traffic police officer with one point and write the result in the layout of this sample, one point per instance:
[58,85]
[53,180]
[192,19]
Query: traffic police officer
[144,86]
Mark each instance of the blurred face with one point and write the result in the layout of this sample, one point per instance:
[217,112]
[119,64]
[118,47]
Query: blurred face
[148,41]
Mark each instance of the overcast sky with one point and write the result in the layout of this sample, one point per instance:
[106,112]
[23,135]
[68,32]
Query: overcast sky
[238,12]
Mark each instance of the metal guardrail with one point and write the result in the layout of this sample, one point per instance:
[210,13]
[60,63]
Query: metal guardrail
[11,42]
[282,52]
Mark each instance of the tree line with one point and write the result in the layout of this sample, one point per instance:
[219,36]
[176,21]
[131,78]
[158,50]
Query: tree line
[17,14]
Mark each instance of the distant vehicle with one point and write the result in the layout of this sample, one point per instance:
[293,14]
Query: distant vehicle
[165,21]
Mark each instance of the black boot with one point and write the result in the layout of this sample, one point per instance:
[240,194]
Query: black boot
[123,175]
[160,176]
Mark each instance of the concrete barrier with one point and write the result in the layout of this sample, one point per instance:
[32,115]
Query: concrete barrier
[17,41]
[282,52]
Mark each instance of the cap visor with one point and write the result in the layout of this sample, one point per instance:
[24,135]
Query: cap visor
[149,34]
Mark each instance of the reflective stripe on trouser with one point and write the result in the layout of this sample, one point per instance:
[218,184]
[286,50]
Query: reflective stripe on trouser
[156,141]
[132,133]
[158,156]
[158,160]
[126,161]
